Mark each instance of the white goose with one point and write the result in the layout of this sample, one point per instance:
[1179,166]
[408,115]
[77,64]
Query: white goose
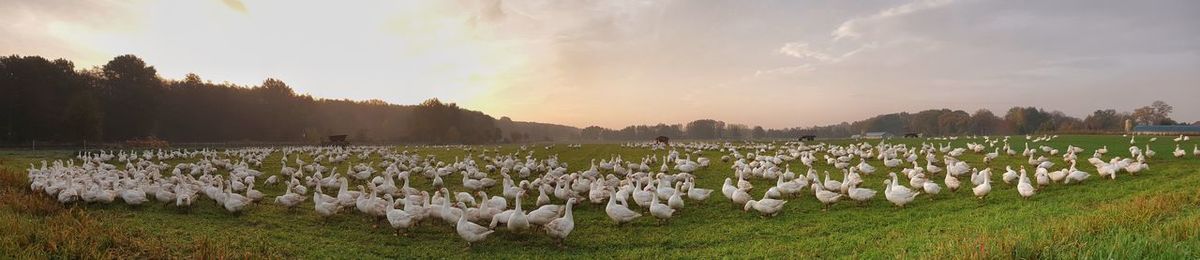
[898,194]
[325,205]
[952,183]
[469,231]
[766,207]
[289,199]
[661,211]
[560,228]
[619,213]
[544,214]
[861,195]
[676,201]
[518,221]
[234,202]
[982,190]
[826,197]
[697,194]
[398,218]
[1024,187]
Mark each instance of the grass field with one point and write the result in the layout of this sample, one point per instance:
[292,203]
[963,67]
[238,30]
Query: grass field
[1155,214]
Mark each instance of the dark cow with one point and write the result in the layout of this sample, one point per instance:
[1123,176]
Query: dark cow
[662,139]
[912,135]
[808,137]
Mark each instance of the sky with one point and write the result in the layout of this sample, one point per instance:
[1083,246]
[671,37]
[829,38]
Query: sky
[616,63]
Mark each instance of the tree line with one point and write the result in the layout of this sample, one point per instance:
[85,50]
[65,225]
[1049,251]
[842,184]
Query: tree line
[52,101]
[933,122]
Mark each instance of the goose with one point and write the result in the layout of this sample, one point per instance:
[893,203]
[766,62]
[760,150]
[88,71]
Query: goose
[234,202]
[560,228]
[740,197]
[861,195]
[864,167]
[163,194]
[618,213]
[482,212]
[897,194]
[743,184]
[465,198]
[676,201]
[254,195]
[368,204]
[398,218]
[325,205]
[518,221]
[1195,150]
[982,190]
[931,188]
[976,176]
[952,183]
[1149,153]
[766,207]
[1179,152]
[183,196]
[345,197]
[917,181]
[542,198]
[449,213]
[496,202]
[642,196]
[727,189]
[544,214]
[929,167]
[788,187]
[892,163]
[469,231]
[134,196]
[831,184]
[773,193]
[1136,166]
[1075,175]
[1057,176]
[289,199]
[1043,176]
[826,197]
[1009,175]
[1024,187]
[698,194]
[661,211]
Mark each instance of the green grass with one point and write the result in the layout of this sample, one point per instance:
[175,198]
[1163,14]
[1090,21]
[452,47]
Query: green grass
[1152,215]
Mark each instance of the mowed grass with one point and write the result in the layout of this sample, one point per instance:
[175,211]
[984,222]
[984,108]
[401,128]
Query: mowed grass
[1152,215]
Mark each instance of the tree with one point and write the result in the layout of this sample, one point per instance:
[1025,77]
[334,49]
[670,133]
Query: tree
[758,133]
[984,122]
[703,129]
[1105,120]
[132,94]
[1157,113]
[1027,120]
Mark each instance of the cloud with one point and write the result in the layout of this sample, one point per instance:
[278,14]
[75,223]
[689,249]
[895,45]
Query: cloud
[235,5]
[850,29]
[789,70]
[802,50]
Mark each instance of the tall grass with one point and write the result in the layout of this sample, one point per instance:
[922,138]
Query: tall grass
[35,226]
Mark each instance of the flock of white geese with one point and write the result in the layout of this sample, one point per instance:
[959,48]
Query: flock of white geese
[375,181]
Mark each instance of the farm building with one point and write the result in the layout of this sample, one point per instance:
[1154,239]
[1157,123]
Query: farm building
[876,135]
[1166,130]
